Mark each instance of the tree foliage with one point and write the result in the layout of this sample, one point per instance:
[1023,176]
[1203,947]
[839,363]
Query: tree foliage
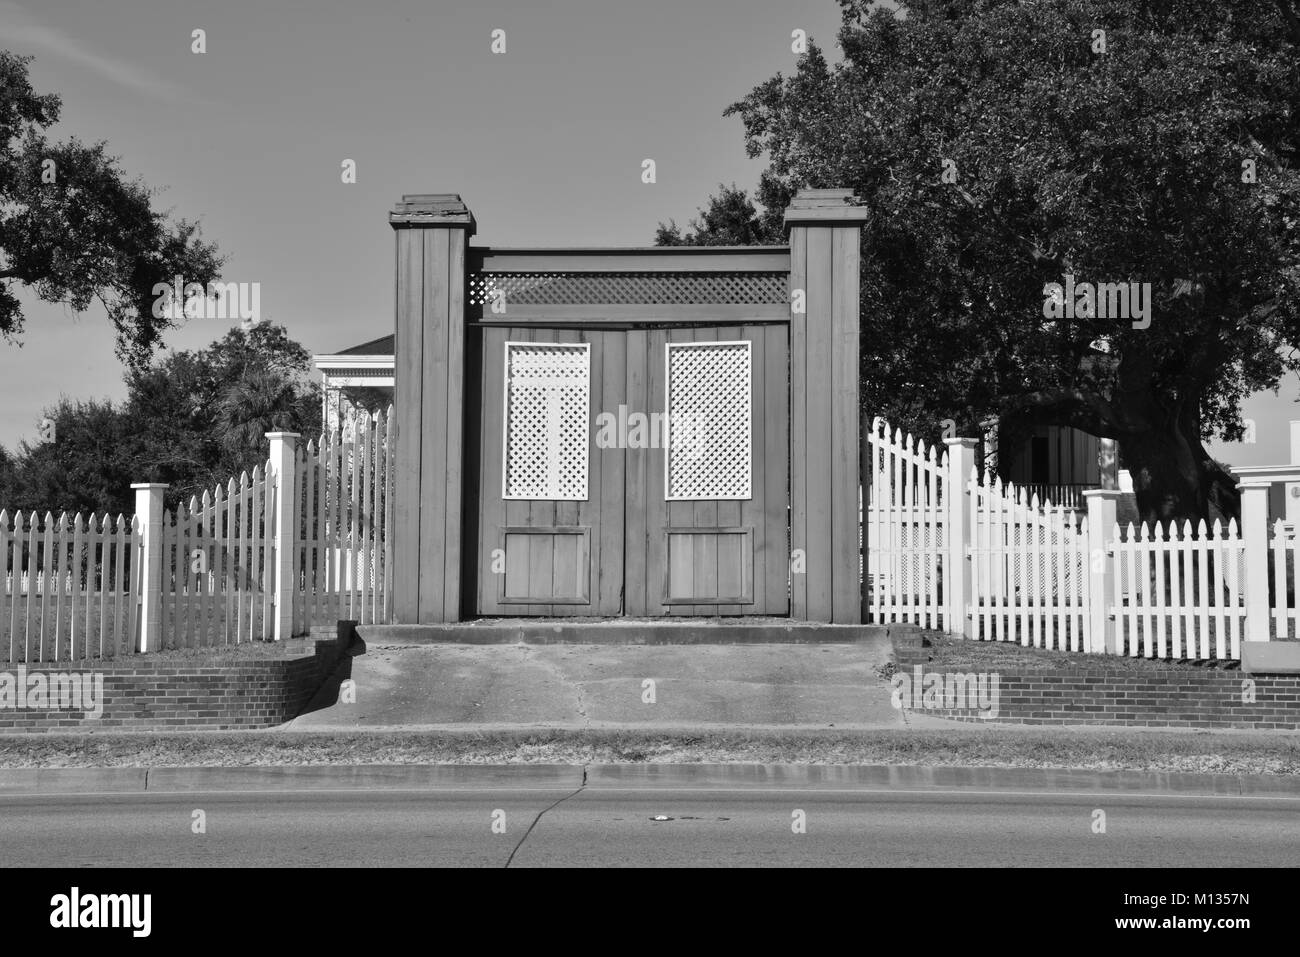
[1170,159]
[75,230]
[191,419]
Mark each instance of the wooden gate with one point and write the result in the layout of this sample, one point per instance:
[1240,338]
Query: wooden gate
[632,472]
[751,508]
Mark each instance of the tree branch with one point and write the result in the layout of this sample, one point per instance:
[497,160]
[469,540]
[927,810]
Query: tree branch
[1078,408]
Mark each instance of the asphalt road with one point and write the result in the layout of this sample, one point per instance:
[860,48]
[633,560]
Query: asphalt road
[613,827]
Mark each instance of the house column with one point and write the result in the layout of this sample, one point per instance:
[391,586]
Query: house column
[1292,489]
[429,366]
[825,519]
[1108,463]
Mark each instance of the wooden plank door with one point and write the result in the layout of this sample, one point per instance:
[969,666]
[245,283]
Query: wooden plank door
[707,508]
[550,503]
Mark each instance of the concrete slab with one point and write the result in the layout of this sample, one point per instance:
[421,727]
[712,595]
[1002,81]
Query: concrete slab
[598,686]
[627,631]
[1270,657]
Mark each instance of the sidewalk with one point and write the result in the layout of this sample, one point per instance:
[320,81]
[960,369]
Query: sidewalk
[445,687]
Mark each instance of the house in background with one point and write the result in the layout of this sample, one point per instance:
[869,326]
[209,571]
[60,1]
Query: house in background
[1058,463]
[359,378]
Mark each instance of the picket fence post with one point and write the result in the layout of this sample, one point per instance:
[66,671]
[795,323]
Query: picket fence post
[1104,630]
[149,515]
[284,460]
[1254,537]
[957,565]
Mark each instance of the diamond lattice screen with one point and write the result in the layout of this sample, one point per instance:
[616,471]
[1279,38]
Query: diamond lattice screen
[669,288]
[709,421]
[547,416]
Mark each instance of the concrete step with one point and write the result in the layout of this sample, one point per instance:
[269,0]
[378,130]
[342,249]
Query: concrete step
[627,631]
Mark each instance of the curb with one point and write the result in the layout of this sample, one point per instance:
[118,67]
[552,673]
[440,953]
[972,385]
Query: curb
[19,781]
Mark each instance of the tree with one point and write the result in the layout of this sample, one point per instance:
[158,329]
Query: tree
[1001,147]
[257,403]
[202,416]
[86,464]
[191,419]
[730,220]
[73,229]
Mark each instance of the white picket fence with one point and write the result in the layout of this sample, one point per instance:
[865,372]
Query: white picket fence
[904,523]
[945,548]
[217,560]
[344,547]
[997,563]
[1028,569]
[1178,593]
[233,565]
[69,586]
[1284,552]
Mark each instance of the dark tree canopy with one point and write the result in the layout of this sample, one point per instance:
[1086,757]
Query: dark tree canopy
[192,419]
[1000,150]
[74,230]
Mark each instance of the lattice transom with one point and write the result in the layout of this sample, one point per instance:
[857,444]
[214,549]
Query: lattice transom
[710,421]
[659,288]
[548,389]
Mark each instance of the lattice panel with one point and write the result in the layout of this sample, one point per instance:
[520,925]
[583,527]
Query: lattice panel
[642,288]
[548,395]
[710,421]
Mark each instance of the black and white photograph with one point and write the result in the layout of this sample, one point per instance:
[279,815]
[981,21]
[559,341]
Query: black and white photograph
[649,434]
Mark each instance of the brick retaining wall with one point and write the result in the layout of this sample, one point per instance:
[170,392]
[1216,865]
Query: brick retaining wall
[142,693]
[1095,694]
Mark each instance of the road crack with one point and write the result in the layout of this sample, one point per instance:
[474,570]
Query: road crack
[581,788]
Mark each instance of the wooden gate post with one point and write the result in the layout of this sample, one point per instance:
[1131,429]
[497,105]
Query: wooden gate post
[284,458]
[825,252]
[432,233]
[149,515]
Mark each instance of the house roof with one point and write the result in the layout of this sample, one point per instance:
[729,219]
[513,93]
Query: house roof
[375,347]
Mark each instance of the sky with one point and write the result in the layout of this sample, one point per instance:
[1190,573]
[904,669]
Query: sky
[544,143]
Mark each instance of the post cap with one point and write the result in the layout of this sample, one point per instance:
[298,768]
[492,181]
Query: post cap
[432,209]
[148,485]
[964,442]
[824,207]
[1102,494]
[284,435]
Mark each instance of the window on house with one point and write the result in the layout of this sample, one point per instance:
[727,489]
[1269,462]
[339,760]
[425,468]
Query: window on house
[547,399]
